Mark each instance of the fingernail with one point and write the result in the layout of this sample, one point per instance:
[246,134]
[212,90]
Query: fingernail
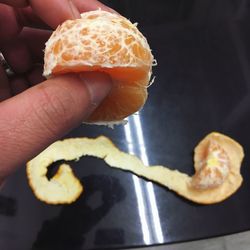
[108,9]
[113,11]
[98,85]
[74,11]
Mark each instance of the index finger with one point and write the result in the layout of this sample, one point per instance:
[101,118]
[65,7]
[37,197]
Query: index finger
[54,12]
[16,3]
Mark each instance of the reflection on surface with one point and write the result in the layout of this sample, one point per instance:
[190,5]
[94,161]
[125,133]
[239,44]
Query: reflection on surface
[145,196]
[138,187]
[7,206]
[67,230]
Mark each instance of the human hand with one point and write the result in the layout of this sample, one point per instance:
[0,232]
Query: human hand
[34,115]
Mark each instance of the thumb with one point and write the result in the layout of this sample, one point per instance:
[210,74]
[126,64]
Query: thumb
[35,118]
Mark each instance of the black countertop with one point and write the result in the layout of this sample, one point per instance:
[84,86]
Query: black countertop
[202,85]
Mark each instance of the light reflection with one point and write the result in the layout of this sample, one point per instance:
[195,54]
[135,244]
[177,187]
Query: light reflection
[138,189]
[139,135]
[154,209]
[149,185]
[135,122]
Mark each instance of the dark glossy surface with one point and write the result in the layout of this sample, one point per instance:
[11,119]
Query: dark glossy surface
[202,85]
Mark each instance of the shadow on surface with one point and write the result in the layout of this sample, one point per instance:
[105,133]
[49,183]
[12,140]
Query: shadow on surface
[66,231]
[8,206]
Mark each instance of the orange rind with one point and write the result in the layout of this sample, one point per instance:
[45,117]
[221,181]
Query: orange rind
[63,188]
[102,147]
[104,42]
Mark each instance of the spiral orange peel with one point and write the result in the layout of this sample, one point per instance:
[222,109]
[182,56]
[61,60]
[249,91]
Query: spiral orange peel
[65,187]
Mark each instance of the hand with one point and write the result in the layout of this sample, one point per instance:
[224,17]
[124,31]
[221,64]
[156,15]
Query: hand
[34,115]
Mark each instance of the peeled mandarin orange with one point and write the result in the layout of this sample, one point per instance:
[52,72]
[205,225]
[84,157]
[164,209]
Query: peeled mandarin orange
[109,43]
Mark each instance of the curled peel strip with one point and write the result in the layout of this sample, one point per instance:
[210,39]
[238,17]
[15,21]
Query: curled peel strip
[64,187]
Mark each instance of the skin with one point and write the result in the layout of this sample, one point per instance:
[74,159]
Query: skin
[35,112]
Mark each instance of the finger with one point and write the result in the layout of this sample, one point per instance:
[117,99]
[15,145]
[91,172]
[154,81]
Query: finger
[65,9]
[12,20]
[18,85]
[9,26]
[27,18]
[44,113]
[35,76]
[22,52]
[29,35]
[44,14]
[5,91]
[16,3]
[55,12]
[17,54]
[84,6]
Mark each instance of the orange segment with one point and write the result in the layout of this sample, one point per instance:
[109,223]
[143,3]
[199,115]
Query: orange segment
[121,100]
[105,42]
[213,169]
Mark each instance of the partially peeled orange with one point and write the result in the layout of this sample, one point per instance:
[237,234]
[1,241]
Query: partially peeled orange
[104,42]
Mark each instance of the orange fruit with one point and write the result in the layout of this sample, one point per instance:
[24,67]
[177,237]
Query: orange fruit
[104,42]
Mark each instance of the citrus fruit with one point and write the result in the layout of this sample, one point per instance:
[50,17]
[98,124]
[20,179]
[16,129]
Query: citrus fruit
[109,43]
[213,167]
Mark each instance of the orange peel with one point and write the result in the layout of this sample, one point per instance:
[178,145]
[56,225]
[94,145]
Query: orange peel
[62,188]
[109,43]
[181,183]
